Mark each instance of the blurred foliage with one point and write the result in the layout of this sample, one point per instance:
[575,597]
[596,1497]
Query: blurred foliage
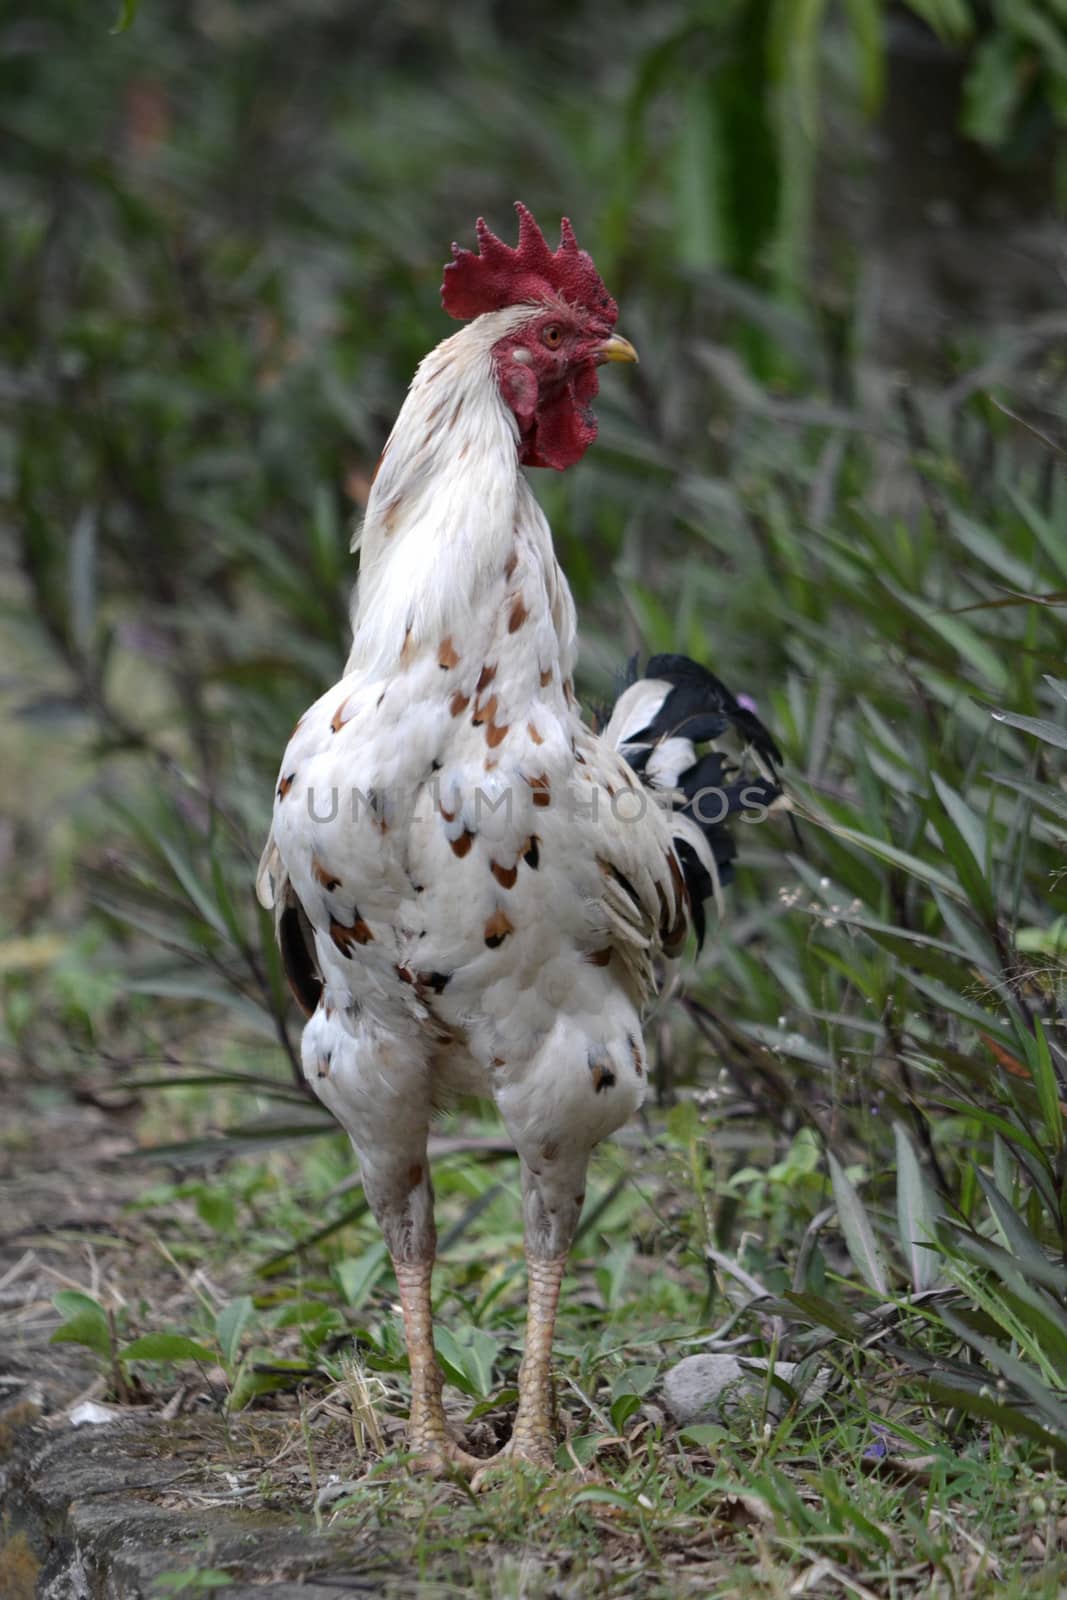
[221,254]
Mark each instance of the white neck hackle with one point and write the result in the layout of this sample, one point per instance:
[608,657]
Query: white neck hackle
[446,502]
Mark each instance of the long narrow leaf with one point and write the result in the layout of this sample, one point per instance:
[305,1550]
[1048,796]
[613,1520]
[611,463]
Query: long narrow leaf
[860,1241]
[1017,1372]
[1018,1238]
[1047,1085]
[1041,727]
[916,1215]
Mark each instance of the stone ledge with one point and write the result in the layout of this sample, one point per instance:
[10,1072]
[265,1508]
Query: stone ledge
[99,1512]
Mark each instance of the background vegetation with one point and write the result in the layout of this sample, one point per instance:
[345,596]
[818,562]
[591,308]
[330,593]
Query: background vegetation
[836,477]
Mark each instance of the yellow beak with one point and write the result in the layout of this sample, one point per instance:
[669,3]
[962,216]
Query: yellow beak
[616,349]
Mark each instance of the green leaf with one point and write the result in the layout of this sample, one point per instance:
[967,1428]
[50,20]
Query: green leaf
[708,1435]
[1043,1320]
[86,1322]
[917,1214]
[913,865]
[166,1347]
[962,639]
[993,88]
[585,1446]
[218,1208]
[634,1380]
[1043,32]
[470,1353]
[358,1276]
[194,890]
[794,38]
[249,1383]
[825,1313]
[623,1408]
[453,1373]
[697,181]
[960,847]
[867,20]
[125,18]
[606,1497]
[974,1403]
[1004,1264]
[1050,941]
[275,1263]
[683,1123]
[611,1275]
[224,899]
[1048,1403]
[992,548]
[950,19]
[327,542]
[1050,732]
[1046,798]
[1047,1086]
[1046,533]
[860,1241]
[969,826]
[1002,1126]
[230,1324]
[961,1006]
[1017,1236]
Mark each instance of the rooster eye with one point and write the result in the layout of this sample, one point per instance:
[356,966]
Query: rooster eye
[552,336]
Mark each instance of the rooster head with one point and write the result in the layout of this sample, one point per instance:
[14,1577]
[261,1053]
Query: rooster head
[546,364]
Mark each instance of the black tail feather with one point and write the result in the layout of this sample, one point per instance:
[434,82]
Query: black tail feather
[697,694]
[700,708]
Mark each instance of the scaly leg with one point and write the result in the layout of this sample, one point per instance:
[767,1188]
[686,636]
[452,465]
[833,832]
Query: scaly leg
[427,1428]
[552,1203]
[577,1088]
[552,1193]
[533,1436]
[379,1089]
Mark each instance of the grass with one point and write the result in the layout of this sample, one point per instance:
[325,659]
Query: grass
[222,258]
[865,1490]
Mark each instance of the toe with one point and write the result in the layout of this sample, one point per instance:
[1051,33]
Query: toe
[538,1455]
[446,1464]
[535,1446]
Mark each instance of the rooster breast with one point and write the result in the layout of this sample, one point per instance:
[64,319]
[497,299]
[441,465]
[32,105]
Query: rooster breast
[452,833]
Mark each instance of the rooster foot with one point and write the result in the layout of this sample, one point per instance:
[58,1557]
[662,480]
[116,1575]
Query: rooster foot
[444,1458]
[520,1451]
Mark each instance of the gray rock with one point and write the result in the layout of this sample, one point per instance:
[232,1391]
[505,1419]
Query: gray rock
[715,1388]
[100,1512]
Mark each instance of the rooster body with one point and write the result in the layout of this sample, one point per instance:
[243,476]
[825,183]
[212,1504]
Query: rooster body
[471,885]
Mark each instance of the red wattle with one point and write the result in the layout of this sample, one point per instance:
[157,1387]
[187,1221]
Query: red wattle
[563,427]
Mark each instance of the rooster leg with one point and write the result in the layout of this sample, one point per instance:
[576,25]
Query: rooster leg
[533,1436]
[552,1204]
[379,1091]
[428,1434]
[577,1089]
[407,1222]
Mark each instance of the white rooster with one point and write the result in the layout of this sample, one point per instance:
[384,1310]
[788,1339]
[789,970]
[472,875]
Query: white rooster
[471,885]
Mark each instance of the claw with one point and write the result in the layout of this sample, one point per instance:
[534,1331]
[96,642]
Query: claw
[537,1453]
[445,1461]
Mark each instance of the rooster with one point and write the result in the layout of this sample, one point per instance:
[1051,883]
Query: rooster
[472,886]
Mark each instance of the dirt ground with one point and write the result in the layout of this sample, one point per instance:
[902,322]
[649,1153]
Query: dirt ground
[106,1510]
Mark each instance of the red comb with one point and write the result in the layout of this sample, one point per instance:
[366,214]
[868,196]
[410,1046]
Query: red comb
[500,276]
